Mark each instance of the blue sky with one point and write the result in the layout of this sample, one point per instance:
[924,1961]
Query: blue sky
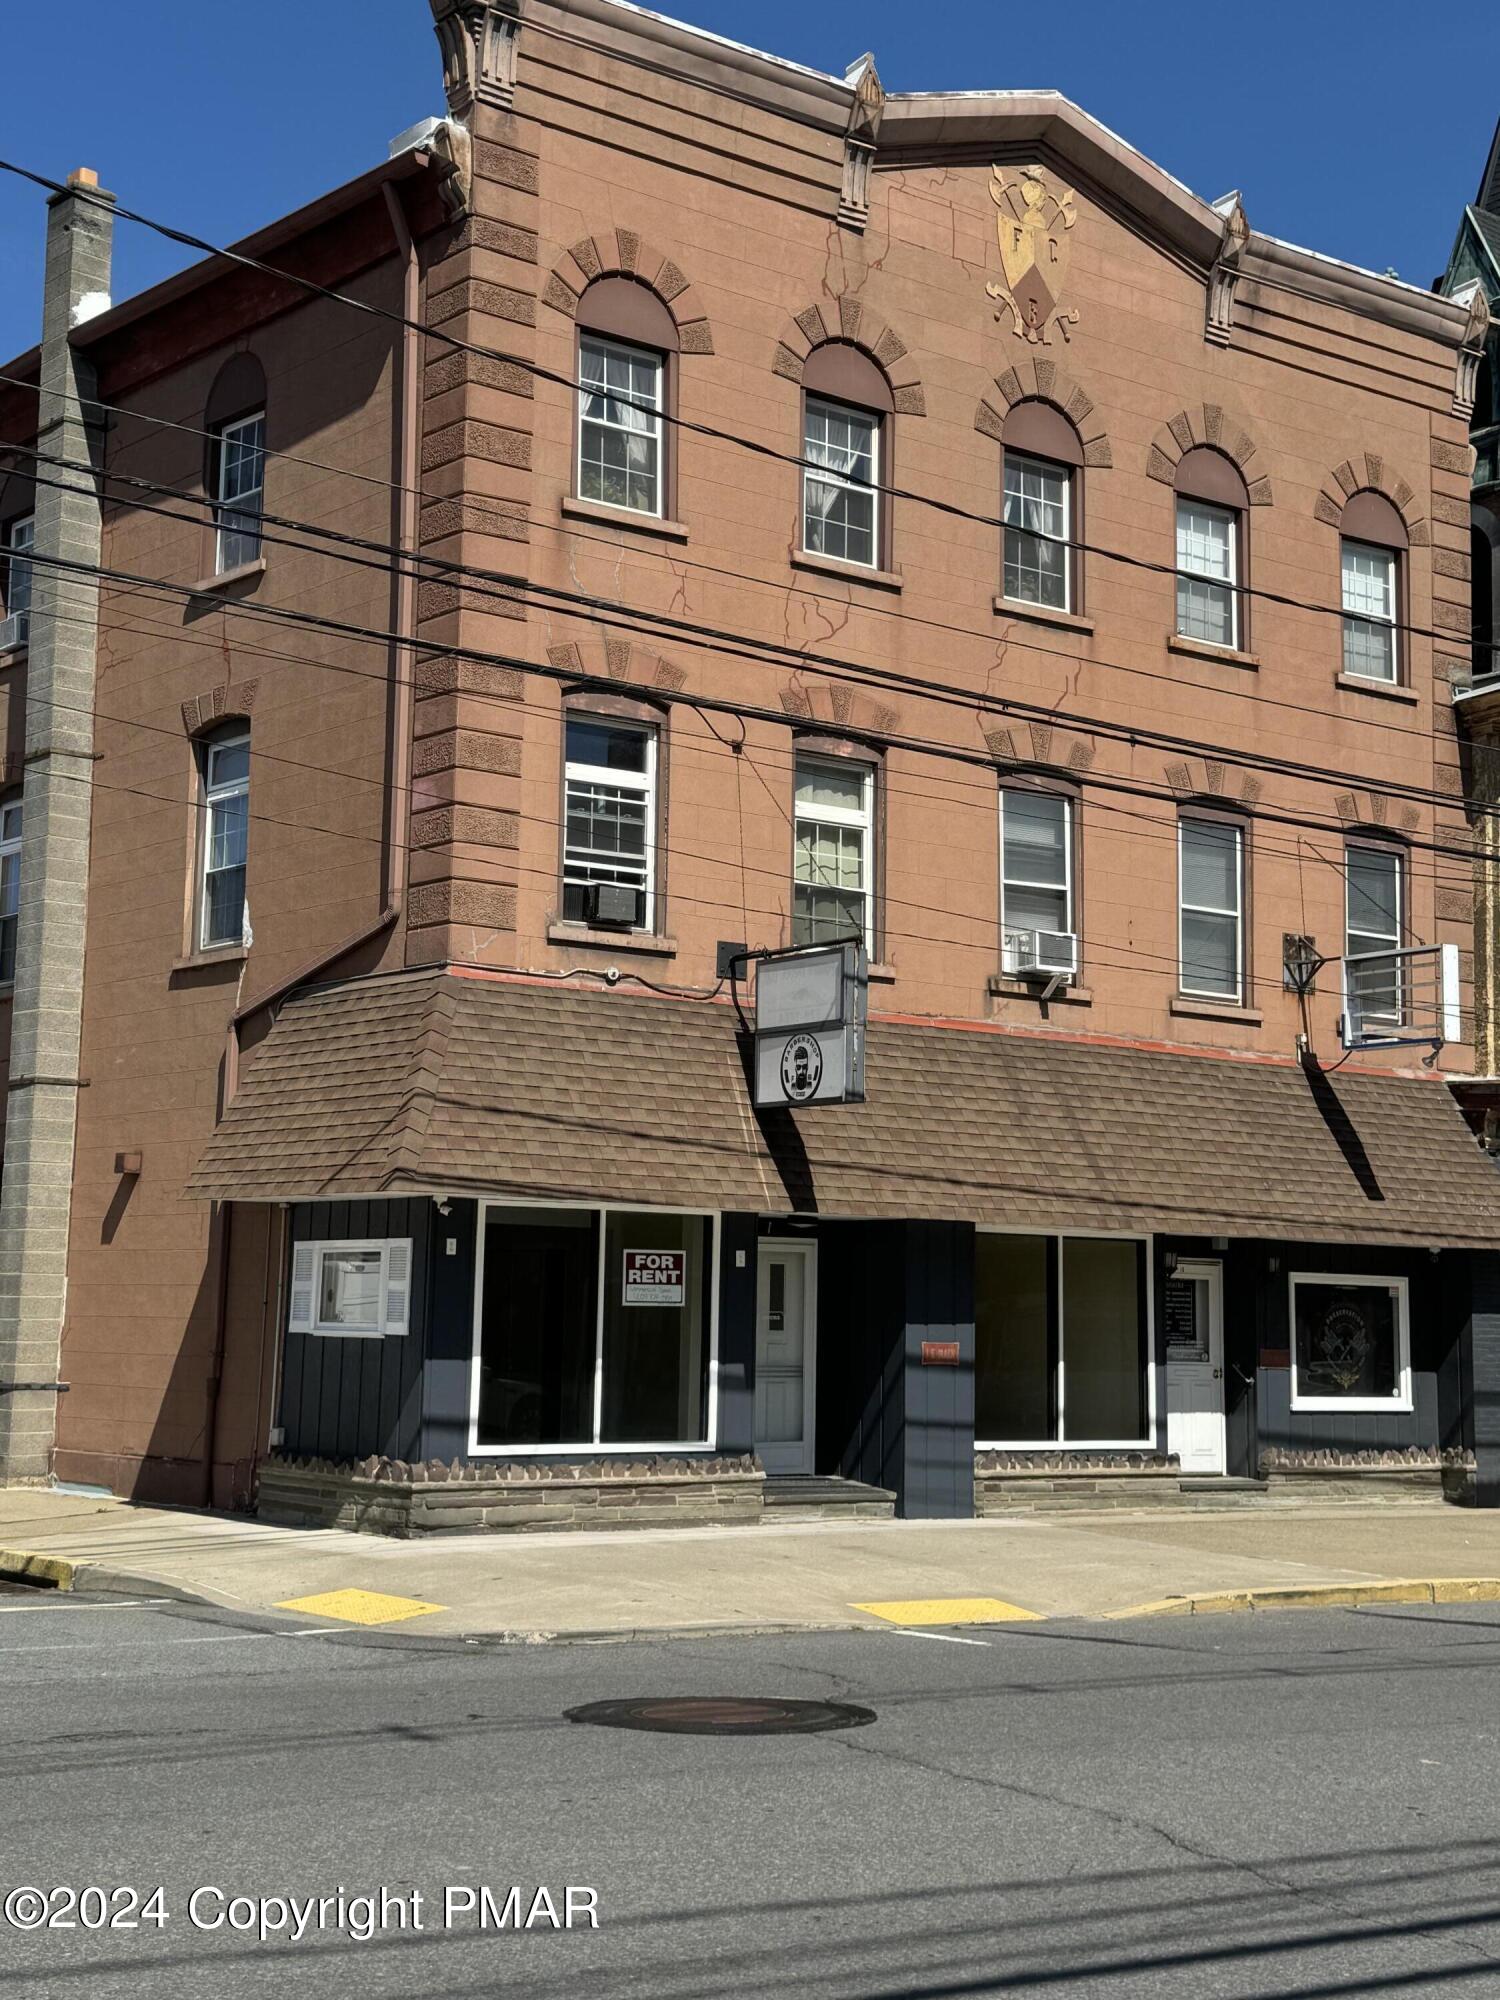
[1357,131]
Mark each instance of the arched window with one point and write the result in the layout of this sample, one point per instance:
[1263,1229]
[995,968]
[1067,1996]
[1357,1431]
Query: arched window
[1212,501]
[1041,479]
[627,342]
[234,477]
[847,408]
[223,918]
[1372,549]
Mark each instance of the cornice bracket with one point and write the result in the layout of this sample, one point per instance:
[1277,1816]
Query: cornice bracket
[1224,276]
[1471,346]
[860,139]
[478,39]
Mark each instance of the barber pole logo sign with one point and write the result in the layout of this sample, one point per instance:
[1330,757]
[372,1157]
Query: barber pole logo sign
[655,1277]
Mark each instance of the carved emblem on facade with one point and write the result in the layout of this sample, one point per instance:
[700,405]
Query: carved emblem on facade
[1034,228]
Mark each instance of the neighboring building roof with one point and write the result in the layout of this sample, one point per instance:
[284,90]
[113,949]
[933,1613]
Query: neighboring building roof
[461,1082]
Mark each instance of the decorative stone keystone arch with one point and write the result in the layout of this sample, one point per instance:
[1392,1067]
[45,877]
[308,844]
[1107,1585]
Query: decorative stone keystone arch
[622,254]
[849,319]
[1043,380]
[1366,474]
[1211,426]
[1040,743]
[229,702]
[1367,808]
[1204,778]
[618,659]
[837,707]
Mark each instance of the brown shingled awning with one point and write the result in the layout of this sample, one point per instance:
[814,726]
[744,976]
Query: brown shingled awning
[437,1080]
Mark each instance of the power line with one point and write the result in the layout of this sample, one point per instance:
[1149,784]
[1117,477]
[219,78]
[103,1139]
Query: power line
[541,373]
[693,633]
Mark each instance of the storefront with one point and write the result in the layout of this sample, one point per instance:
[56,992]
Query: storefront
[596,1272]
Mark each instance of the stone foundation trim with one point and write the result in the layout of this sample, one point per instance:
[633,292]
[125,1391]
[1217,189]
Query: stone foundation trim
[386,1496]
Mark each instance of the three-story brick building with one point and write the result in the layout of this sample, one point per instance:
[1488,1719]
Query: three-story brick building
[751,509]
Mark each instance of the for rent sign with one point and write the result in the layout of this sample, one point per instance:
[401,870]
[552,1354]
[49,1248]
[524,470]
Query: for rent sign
[655,1277]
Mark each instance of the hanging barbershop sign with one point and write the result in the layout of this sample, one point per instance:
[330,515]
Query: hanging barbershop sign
[810,1009]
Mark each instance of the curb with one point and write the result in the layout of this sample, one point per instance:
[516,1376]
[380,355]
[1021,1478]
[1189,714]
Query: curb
[66,1574]
[607,1635]
[1321,1596]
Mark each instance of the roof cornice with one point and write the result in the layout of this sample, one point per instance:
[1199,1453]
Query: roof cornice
[1316,276]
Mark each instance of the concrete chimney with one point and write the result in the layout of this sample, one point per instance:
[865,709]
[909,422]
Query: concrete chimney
[41,1104]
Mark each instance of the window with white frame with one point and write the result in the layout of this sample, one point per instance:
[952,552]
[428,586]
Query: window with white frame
[1373,926]
[240,463]
[20,539]
[1061,1340]
[619,425]
[1369,599]
[359,1289]
[609,844]
[839,503]
[1036,871]
[10,887]
[834,835]
[1207,573]
[224,765]
[1038,524]
[1351,1342]
[1211,909]
[593,1327]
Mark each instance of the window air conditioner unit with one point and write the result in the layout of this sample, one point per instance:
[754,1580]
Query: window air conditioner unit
[12,631]
[612,905]
[1041,954]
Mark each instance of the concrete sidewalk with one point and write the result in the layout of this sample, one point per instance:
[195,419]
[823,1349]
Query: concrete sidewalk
[795,1577]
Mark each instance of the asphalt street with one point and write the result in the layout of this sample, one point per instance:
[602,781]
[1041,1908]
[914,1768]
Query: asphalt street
[1302,1803]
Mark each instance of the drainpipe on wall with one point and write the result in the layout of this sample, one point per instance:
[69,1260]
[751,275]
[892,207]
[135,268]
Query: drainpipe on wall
[56,798]
[406,446]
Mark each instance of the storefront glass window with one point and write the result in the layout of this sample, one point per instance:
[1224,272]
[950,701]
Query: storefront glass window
[537,1327]
[1350,1343]
[594,1329]
[1014,1367]
[1060,1340]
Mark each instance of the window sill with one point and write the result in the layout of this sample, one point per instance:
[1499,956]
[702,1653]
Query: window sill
[622,517]
[645,942]
[879,579]
[1001,986]
[226,579]
[1200,649]
[1356,1406]
[222,954]
[1195,1008]
[881,975]
[1042,614]
[12,656]
[1384,690]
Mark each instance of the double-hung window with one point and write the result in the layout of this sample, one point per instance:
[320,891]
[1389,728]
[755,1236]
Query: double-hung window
[833,870]
[358,1290]
[225,768]
[240,498]
[10,887]
[1369,601]
[1373,924]
[1211,909]
[1038,525]
[609,846]
[19,540]
[1207,573]
[1036,874]
[841,447]
[619,425]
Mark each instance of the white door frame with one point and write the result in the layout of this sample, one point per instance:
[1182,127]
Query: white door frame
[804,1252]
[1211,1269]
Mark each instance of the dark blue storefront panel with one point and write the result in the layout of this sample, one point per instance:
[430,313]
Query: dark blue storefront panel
[1483,1344]
[738,1276]
[884,1415]
[354,1398]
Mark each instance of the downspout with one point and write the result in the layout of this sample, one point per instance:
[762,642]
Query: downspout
[397,774]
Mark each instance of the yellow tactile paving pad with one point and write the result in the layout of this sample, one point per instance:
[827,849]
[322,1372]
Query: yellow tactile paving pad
[950,1611]
[360,1607]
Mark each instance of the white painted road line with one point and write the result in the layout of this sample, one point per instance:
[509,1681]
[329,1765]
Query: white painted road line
[948,1638]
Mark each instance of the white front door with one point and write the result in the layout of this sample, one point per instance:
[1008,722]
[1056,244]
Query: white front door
[1193,1309]
[785,1355]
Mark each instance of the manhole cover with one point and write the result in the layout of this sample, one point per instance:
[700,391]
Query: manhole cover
[723,1715]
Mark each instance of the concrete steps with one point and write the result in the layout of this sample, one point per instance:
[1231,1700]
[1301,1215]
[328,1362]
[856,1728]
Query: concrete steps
[825,1497]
